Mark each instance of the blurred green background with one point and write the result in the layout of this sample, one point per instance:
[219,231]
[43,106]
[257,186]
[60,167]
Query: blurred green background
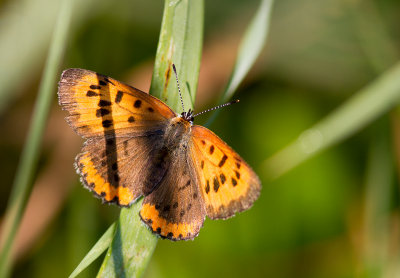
[336,215]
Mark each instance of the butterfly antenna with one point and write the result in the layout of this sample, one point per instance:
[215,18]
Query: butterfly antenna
[217,107]
[179,89]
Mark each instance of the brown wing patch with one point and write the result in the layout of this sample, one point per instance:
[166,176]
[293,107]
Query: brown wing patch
[175,209]
[119,170]
[227,182]
[97,103]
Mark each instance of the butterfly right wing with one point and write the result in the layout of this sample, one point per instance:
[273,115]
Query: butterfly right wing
[119,170]
[227,182]
[99,105]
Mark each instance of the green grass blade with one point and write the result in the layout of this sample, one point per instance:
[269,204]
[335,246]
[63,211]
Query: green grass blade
[379,182]
[29,23]
[250,48]
[101,245]
[131,248]
[180,43]
[30,154]
[365,106]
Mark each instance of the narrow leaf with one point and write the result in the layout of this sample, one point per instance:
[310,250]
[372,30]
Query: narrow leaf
[101,245]
[250,48]
[131,248]
[30,155]
[180,44]
[365,106]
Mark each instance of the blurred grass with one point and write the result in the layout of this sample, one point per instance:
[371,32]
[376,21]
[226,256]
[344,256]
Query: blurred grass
[379,181]
[250,48]
[30,155]
[365,106]
[17,17]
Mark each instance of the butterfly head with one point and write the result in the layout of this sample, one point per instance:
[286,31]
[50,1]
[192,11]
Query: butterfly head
[188,116]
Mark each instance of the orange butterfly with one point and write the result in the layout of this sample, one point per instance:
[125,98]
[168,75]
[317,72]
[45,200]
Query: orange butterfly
[137,146]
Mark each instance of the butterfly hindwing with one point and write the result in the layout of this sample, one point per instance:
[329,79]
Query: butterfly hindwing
[98,104]
[227,183]
[175,209]
[118,169]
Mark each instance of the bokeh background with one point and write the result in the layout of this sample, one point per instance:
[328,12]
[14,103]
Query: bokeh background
[336,215]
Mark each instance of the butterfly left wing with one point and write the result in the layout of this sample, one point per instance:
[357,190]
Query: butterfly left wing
[119,169]
[175,209]
[227,182]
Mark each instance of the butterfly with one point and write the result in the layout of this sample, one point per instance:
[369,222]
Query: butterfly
[137,146]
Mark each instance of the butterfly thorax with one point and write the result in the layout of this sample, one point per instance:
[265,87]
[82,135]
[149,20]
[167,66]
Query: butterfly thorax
[177,132]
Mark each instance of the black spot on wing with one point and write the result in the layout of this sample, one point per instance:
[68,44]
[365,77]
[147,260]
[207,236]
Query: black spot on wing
[103,103]
[223,178]
[207,188]
[216,184]
[91,93]
[95,87]
[234,182]
[118,97]
[237,175]
[102,112]
[223,160]
[211,149]
[106,123]
[137,103]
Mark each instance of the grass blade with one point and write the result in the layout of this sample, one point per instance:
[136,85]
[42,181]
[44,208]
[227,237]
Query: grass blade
[250,48]
[379,182]
[30,154]
[180,43]
[365,106]
[101,245]
[131,248]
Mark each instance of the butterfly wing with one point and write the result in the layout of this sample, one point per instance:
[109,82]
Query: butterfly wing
[98,104]
[119,170]
[121,160]
[175,209]
[227,182]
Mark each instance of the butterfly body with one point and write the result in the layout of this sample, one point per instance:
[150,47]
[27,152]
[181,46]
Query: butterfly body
[177,133]
[137,146]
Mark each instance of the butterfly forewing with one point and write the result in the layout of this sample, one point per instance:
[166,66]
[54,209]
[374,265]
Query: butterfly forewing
[227,183]
[98,104]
